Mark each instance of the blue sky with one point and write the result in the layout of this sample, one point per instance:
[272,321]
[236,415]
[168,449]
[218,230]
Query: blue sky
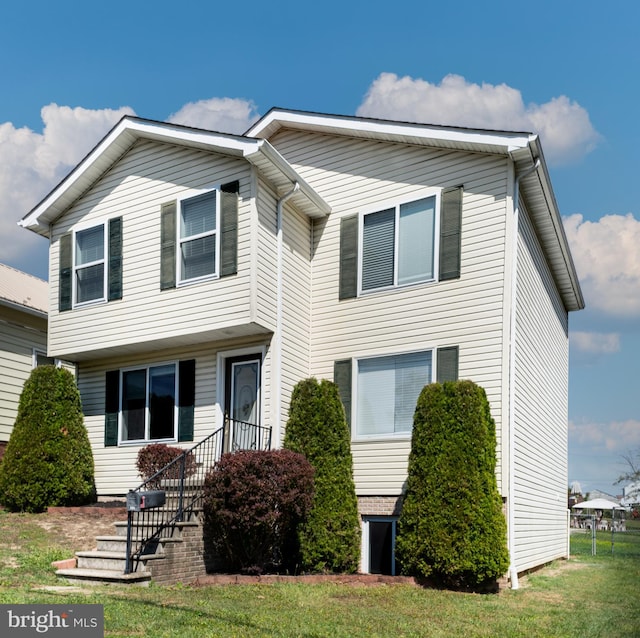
[569,71]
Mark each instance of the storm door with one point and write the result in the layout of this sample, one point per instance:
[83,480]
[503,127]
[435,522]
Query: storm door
[242,400]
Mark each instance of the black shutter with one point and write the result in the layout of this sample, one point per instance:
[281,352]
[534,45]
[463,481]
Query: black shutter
[168,245]
[186,399]
[111,407]
[115,259]
[348,257]
[229,228]
[447,364]
[65,273]
[342,378]
[450,227]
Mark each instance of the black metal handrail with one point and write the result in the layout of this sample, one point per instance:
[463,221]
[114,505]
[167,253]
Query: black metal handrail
[182,480]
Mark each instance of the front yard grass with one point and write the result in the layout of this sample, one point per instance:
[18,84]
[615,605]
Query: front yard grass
[588,596]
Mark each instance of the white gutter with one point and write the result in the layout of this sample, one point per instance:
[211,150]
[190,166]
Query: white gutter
[277,338]
[513,569]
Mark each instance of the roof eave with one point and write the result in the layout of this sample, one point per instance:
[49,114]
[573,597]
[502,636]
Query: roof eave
[13,305]
[537,191]
[113,146]
[480,140]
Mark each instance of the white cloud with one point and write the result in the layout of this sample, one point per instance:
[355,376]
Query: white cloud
[607,259]
[564,126]
[597,450]
[595,342]
[615,436]
[32,163]
[224,114]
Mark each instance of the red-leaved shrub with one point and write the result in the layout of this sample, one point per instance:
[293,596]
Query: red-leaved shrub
[152,458]
[254,502]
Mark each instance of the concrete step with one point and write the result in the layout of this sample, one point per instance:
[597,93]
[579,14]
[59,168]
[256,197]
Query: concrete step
[121,526]
[109,561]
[83,576]
[119,543]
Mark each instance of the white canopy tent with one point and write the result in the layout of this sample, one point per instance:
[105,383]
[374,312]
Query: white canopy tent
[597,504]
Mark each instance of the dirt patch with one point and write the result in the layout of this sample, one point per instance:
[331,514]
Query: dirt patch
[77,527]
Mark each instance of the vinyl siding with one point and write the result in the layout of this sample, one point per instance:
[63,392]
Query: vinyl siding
[541,409]
[115,470]
[19,335]
[296,329]
[296,290]
[147,176]
[352,174]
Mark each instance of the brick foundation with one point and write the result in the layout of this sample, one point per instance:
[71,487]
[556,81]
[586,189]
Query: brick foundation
[184,561]
[379,505]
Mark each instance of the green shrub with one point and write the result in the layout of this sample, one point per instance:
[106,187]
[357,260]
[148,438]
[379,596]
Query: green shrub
[154,457]
[330,539]
[452,528]
[254,502]
[48,459]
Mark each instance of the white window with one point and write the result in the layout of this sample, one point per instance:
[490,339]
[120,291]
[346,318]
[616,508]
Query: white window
[387,390]
[198,237]
[41,359]
[148,403]
[89,265]
[398,244]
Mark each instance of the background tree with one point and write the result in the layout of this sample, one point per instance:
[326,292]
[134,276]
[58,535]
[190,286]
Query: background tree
[632,475]
[452,527]
[330,538]
[48,460]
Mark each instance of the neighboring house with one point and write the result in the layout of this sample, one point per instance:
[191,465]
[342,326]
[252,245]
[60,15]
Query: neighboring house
[196,274]
[631,494]
[24,301]
[595,494]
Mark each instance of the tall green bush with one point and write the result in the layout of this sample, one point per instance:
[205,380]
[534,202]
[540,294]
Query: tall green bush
[330,538]
[48,459]
[452,528]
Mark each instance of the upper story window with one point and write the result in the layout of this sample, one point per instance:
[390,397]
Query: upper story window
[198,236]
[398,245]
[406,242]
[88,269]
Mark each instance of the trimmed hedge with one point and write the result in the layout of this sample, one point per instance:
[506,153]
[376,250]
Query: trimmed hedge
[48,461]
[330,538]
[452,528]
[254,502]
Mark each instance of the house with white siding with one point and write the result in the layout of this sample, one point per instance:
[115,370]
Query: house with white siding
[23,339]
[195,274]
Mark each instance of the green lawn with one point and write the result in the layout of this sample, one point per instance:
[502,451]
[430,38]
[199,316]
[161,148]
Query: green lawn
[586,597]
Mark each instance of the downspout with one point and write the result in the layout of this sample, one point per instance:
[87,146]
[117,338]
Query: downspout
[513,569]
[277,338]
